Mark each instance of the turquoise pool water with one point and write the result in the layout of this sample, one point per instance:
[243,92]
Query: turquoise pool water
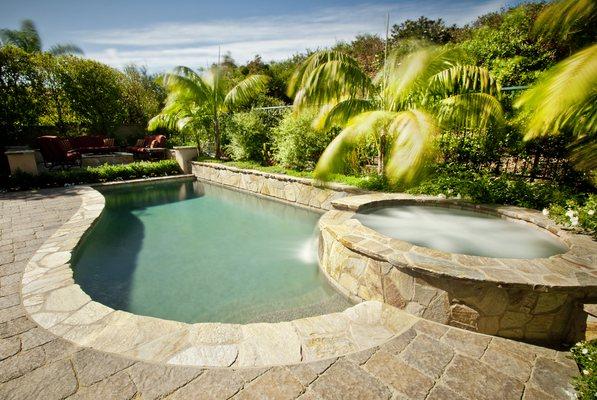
[195,252]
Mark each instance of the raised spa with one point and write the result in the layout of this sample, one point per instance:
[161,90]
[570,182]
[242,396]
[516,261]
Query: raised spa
[461,231]
[195,252]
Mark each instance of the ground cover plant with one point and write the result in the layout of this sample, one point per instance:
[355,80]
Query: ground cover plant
[585,355]
[77,176]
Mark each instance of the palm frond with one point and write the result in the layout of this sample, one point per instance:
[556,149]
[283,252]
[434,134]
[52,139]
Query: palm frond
[564,97]
[461,79]
[564,17]
[403,78]
[30,36]
[365,124]
[414,131]
[63,49]
[315,60]
[184,82]
[338,114]
[246,90]
[583,153]
[471,110]
[327,77]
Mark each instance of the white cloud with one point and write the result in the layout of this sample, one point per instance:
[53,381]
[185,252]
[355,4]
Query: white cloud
[165,45]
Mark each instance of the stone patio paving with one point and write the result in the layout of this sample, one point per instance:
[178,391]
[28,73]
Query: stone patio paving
[428,361]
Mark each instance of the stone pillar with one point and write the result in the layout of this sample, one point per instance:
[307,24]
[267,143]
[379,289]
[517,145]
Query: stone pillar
[22,160]
[184,155]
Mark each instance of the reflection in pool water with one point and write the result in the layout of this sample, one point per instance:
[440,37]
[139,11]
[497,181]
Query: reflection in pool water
[461,231]
[196,252]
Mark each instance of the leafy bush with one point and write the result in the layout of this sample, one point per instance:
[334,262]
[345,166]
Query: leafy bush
[249,137]
[577,214]
[296,144]
[482,187]
[104,173]
[585,355]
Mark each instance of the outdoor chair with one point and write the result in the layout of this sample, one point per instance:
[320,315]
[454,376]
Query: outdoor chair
[87,144]
[152,146]
[58,152]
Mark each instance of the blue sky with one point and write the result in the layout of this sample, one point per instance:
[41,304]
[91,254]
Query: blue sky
[165,33]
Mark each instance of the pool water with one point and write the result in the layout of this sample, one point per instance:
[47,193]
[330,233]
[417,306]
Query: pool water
[196,252]
[461,231]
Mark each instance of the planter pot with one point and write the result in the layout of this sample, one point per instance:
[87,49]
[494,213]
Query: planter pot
[184,155]
[22,160]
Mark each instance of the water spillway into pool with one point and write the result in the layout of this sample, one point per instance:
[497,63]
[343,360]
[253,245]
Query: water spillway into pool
[461,231]
[197,252]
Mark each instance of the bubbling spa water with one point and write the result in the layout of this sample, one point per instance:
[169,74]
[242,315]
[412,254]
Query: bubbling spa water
[460,231]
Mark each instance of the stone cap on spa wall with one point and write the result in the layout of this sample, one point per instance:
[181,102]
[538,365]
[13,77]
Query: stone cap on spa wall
[574,269]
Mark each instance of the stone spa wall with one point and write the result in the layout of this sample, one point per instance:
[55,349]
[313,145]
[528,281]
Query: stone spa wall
[301,191]
[537,300]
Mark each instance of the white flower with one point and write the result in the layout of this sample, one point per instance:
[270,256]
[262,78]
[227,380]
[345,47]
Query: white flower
[545,212]
[569,213]
[441,196]
[574,221]
[585,350]
[458,196]
[584,371]
[591,212]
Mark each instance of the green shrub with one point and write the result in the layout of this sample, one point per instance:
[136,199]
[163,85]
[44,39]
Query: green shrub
[585,355]
[577,214]
[249,137]
[482,187]
[296,144]
[104,173]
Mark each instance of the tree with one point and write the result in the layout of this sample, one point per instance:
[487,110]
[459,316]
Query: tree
[28,39]
[142,95]
[21,94]
[95,93]
[564,99]
[367,49]
[506,45]
[429,30]
[195,101]
[404,107]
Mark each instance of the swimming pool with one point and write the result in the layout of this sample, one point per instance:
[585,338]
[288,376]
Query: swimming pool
[196,252]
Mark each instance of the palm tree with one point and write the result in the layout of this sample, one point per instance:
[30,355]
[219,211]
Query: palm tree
[28,39]
[564,99]
[197,101]
[403,108]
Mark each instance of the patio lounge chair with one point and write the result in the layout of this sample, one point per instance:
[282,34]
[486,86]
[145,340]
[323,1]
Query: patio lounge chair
[152,146]
[92,144]
[58,152]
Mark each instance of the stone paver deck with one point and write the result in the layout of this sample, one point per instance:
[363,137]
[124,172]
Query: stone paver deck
[426,361]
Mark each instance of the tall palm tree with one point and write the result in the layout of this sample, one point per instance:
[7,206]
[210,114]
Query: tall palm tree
[403,108]
[28,39]
[564,99]
[197,101]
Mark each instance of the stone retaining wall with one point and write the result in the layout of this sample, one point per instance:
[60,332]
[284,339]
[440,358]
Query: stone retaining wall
[302,191]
